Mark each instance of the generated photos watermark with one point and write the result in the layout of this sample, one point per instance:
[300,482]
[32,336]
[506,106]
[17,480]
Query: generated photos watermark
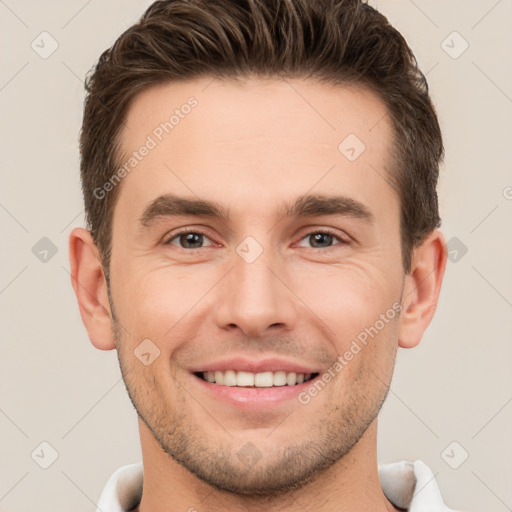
[152,140]
[358,343]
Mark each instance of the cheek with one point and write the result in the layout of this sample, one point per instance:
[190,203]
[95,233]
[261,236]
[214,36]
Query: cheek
[350,297]
[156,303]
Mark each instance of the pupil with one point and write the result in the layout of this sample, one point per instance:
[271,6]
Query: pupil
[321,238]
[189,239]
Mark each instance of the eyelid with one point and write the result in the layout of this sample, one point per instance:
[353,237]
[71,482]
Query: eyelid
[174,234]
[344,240]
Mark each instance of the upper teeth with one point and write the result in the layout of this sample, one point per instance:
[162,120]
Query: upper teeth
[258,380]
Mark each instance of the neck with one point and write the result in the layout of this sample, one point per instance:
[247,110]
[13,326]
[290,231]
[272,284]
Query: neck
[350,485]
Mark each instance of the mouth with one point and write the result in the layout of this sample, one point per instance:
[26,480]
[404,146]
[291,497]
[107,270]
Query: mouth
[254,384]
[245,379]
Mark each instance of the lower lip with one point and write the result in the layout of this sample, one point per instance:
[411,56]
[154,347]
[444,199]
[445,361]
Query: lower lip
[254,398]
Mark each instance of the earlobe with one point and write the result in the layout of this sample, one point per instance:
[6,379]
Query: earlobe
[89,284]
[422,289]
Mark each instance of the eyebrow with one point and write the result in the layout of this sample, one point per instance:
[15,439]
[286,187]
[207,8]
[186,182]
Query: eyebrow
[311,205]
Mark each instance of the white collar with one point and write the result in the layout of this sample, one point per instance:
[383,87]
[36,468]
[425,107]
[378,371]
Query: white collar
[408,485]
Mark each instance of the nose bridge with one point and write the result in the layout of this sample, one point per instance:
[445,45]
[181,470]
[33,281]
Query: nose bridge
[255,298]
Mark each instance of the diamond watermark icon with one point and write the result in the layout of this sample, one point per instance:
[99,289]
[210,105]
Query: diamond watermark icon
[44,45]
[249,249]
[44,250]
[249,454]
[351,147]
[146,352]
[456,249]
[44,455]
[454,455]
[454,45]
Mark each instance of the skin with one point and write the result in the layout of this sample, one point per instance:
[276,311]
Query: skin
[249,146]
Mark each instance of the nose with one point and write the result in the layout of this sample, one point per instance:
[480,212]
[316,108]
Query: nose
[256,297]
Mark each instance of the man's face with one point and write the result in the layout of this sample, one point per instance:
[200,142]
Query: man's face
[265,288]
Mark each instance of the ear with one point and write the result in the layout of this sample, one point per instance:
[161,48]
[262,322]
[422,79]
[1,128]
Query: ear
[89,283]
[422,288]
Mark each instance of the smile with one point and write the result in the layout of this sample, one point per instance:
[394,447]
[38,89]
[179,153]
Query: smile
[255,380]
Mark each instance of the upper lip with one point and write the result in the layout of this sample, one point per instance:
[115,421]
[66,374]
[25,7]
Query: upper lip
[255,366]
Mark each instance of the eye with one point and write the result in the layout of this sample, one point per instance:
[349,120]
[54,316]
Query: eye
[322,239]
[189,240]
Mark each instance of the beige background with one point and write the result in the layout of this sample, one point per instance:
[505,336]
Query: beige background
[55,387]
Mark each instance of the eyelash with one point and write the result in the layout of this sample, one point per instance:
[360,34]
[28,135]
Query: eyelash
[326,231]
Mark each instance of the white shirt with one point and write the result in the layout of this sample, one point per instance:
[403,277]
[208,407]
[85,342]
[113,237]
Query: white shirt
[408,485]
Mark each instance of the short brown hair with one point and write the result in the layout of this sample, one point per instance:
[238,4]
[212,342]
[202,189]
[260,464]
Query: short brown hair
[333,41]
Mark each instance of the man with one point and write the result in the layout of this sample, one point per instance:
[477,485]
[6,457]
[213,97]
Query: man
[260,187]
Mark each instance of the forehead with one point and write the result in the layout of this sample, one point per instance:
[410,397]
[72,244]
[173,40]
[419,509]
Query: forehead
[255,107]
[254,139]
